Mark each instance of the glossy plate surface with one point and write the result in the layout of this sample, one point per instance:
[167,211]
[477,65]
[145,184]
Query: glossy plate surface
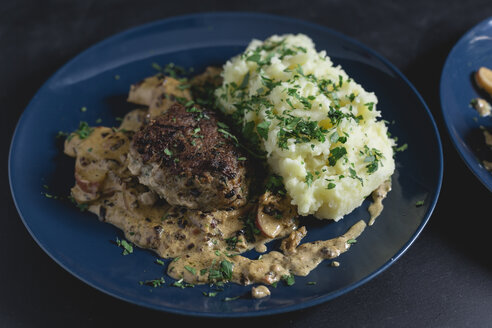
[458,88]
[99,80]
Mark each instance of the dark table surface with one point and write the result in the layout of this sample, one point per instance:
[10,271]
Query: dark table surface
[443,280]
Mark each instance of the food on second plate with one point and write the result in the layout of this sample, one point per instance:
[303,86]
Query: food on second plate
[183,158]
[177,180]
[482,106]
[317,127]
[483,78]
[488,141]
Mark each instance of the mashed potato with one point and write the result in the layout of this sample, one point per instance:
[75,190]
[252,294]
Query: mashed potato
[317,127]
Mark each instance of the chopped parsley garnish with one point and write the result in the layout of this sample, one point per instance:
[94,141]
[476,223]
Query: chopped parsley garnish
[353,175]
[269,83]
[172,70]
[370,106]
[336,116]
[256,57]
[222,125]
[160,262]
[49,195]
[196,130]
[180,284]
[156,66]
[168,152]
[249,228]
[351,241]
[304,101]
[373,158]
[193,109]
[228,135]
[61,134]
[190,269]
[220,273]
[334,137]
[309,179]
[262,129]
[299,70]
[311,282]
[289,279]
[335,154]
[331,185]
[210,294]
[226,268]
[302,131]
[275,184]
[250,134]
[245,82]
[184,86]
[83,109]
[81,207]
[301,49]
[401,148]
[83,131]
[419,203]
[153,283]
[231,242]
[127,247]
[289,103]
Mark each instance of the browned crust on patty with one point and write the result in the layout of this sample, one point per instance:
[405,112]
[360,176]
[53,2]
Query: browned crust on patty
[187,159]
[187,142]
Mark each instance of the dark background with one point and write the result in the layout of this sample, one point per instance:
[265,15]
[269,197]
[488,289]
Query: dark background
[443,280]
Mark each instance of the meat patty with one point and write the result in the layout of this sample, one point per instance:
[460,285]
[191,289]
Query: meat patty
[184,157]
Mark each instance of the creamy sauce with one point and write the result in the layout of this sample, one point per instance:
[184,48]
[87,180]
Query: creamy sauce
[378,195]
[205,246]
[198,241]
[271,267]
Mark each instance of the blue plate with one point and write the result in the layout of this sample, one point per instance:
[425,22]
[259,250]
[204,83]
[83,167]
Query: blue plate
[458,88]
[99,79]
